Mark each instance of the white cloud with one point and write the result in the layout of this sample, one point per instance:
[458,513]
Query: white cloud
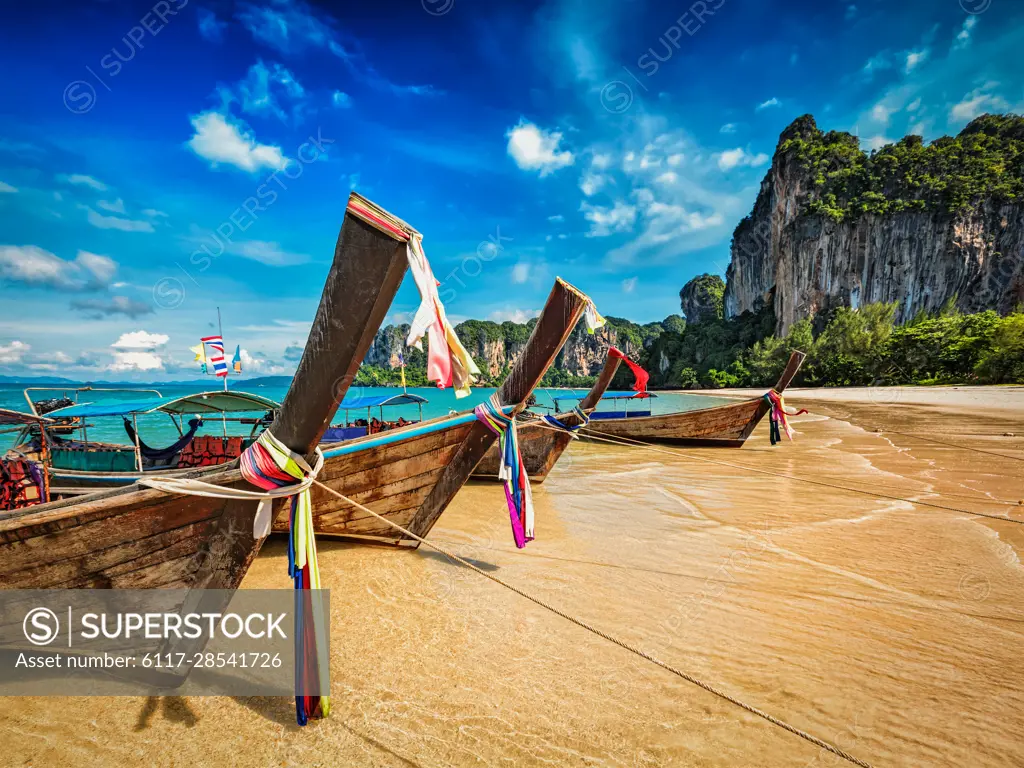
[676,159]
[739,157]
[535,149]
[100,221]
[605,221]
[915,59]
[556,218]
[7,188]
[668,177]
[880,113]
[153,213]
[875,142]
[115,305]
[591,183]
[601,162]
[271,254]
[772,102]
[963,38]
[117,206]
[341,99]
[728,128]
[140,340]
[82,180]
[914,105]
[33,266]
[220,141]
[266,90]
[629,284]
[877,62]
[978,102]
[210,28]
[13,352]
[513,315]
[521,272]
[136,361]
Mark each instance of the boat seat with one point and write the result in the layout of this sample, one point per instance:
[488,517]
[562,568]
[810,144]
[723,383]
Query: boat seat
[19,486]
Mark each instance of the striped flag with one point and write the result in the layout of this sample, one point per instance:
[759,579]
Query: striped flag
[216,344]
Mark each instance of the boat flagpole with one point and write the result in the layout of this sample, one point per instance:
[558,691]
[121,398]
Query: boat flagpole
[220,330]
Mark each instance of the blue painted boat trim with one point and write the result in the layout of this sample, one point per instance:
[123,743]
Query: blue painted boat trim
[399,435]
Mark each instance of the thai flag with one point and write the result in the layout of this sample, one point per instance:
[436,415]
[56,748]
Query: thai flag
[220,366]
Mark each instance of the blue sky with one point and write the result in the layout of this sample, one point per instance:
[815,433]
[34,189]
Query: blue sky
[616,144]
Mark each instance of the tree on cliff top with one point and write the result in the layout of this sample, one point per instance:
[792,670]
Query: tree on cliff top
[985,161]
[703,298]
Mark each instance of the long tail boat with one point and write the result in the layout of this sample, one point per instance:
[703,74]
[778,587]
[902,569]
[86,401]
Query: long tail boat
[130,538]
[410,474]
[540,445]
[726,426]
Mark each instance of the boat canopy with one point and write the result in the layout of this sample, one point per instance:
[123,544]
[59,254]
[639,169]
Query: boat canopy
[201,403]
[17,418]
[374,401]
[621,395]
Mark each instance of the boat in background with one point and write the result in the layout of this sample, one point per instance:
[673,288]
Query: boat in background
[23,480]
[726,426]
[410,474]
[132,538]
[543,439]
[371,425]
[78,465]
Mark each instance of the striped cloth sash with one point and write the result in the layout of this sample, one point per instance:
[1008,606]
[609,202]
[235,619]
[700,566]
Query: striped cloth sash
[510,469]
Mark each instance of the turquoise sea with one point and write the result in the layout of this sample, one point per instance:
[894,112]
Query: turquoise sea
[158,429]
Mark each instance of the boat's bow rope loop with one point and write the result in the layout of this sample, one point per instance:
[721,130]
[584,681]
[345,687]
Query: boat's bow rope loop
[281,473]
[584,420]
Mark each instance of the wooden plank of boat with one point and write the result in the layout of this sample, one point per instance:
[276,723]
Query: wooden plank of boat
[410,474]
[148,538]
[722,426]
[542,446]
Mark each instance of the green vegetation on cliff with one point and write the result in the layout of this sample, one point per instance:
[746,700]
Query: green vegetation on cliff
[985,161]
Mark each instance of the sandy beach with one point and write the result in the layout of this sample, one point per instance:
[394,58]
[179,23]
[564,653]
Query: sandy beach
[885,626]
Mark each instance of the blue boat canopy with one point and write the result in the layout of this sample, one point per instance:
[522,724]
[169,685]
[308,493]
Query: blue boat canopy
[622,395]
[201,403]
[375,401]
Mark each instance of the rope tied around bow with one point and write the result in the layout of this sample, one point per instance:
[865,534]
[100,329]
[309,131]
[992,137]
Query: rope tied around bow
[271,466]
[510,468]
[777,415]
[584,420]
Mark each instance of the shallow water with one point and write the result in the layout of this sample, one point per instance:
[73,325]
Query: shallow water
[889,628]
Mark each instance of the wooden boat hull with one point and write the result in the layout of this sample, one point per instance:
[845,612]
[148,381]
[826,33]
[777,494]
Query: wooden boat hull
[724,426]
[409,475]
[149,538]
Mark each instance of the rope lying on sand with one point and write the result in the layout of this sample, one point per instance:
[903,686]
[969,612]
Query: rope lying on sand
[621,643]
[951,445]
[630,442]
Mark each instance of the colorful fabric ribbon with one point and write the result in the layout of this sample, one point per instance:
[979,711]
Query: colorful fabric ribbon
[641,377]
[268,464]
[777,415]
[448,362]
[592,317]
[511,469]
[584,419]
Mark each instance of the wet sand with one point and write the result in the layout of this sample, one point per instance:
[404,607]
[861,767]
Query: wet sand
[889,628]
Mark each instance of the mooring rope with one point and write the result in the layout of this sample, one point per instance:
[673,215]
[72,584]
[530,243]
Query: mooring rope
[951,445]
[616,641]
[629,442]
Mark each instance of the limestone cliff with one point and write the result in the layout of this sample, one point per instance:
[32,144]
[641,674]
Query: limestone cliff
[912,224]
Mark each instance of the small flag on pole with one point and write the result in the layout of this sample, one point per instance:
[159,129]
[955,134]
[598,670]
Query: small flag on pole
[220,366]
[401,362]
[236,361]
[199,350]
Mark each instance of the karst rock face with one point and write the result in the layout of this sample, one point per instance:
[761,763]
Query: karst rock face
[701,298]
[807,262]
[388,344]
